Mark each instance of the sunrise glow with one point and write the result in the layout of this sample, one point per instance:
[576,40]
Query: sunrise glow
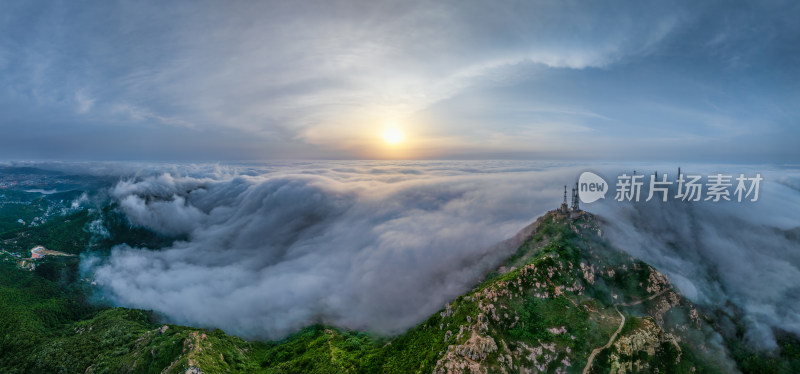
[393,136]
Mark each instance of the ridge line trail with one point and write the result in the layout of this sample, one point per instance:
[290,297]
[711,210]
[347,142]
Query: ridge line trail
[611,340]
[643,300]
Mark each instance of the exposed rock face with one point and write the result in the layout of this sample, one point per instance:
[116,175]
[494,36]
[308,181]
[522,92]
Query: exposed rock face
[467,355]
[657,282]
[502,326]
[588,272]
[566,301]
[648,338]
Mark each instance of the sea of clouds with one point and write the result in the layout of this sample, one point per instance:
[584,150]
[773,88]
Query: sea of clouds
[271,249]
[379,246]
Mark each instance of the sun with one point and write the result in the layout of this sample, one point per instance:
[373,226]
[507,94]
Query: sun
[393,136]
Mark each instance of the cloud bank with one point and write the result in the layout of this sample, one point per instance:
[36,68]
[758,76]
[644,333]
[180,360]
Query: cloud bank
[380,246]
[374,248]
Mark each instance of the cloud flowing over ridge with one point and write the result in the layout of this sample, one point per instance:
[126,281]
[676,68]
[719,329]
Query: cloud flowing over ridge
[380,246]
[743,258]
[376,248]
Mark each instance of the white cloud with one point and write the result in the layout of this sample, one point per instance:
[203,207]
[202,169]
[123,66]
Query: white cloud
[369,247]
[381,245]
[84,103]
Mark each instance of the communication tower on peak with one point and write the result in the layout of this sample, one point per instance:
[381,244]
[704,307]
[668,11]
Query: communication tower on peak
[575,204]
[564,206]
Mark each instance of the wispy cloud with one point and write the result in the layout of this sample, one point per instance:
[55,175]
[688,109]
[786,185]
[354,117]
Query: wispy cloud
[322,79]
[142,114]
[83,102]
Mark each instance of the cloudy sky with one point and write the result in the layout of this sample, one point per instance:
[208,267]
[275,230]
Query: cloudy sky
[701,81]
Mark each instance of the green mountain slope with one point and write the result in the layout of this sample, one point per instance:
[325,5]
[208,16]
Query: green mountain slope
[564,302]
[565,298]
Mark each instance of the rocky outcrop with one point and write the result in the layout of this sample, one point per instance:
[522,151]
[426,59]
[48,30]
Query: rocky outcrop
[647,338]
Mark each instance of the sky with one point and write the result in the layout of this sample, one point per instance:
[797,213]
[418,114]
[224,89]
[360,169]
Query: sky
[711,81]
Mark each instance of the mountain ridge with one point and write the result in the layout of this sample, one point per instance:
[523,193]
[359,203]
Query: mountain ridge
[565,301]
[552,287]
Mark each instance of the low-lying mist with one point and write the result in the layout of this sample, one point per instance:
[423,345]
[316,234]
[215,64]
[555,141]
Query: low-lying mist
[377,248]
[381,246]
